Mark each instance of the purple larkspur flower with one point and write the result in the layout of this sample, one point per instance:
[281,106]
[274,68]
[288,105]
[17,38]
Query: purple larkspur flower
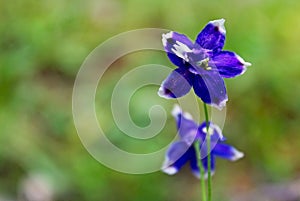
[183,151]
[201,65]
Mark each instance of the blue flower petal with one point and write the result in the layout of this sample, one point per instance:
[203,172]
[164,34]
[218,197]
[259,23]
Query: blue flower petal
[177,44]
[210,87]
[177,155]
[227,152]
[205,163]
[229,64]
[215,135]
[212,37]
[181,63]
[194,165]
[214,131]
[176,60]
[187,128]
[177,84]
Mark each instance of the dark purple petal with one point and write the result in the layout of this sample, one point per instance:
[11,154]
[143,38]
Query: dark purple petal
[227,152]
[194,165]
[177,84]
[214,131]
[177,44]
[205,163]
[210,87]
[215,134]
[228,63]
[212,37]
[177,155]
[176,60]
[181,63]
[187,128]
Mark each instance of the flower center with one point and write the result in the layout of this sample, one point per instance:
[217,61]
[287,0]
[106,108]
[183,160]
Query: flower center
[204,64]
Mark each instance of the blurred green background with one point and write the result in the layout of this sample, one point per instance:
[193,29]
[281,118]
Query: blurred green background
[42,46]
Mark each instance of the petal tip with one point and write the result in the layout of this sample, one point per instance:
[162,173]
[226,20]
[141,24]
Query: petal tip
[162,92]
[220,24]
[178,111]
[187,116]
[177,44]
[169,170]
[166,36]
[247,64]
[243,62]
[221,105]
[237,155]
[198,175]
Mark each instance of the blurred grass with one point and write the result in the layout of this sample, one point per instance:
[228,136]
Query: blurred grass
[43,44]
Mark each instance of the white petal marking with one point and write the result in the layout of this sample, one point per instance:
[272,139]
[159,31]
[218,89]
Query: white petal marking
[210,130]
[180,50]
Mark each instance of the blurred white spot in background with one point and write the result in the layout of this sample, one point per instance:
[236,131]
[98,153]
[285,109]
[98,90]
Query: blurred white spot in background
[35,187]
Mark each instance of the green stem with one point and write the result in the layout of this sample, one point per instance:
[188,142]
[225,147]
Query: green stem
[201,168]
[209,194]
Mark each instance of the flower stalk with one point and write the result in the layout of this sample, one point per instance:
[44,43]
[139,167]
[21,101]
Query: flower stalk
[201,168]
[209,181]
